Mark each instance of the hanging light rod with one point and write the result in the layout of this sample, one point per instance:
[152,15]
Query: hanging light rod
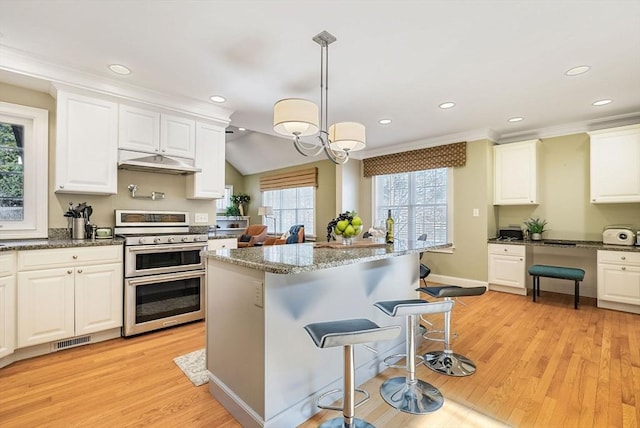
[297,117]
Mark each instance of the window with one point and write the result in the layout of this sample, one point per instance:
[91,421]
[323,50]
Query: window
[222,204]
[23,171]
[291,206]
[420,202]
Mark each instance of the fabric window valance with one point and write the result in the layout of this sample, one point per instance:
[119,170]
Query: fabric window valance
[417,160]
[287,180]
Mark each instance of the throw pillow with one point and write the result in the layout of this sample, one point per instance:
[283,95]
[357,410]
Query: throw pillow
[245,238]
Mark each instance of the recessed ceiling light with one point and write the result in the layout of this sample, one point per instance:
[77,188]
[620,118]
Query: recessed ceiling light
[602,102]
[577,70]
[447,105]
[217,98]
[119,69]
[516,119]
[384,121]
[242,129]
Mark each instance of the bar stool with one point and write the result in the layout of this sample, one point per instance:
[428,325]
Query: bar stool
[446,361]
[406,393]
[347,333]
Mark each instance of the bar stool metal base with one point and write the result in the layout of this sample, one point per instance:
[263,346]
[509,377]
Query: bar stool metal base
[416,398]
[340,423]
[449,363]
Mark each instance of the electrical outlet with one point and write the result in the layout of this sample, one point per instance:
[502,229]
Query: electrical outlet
[476,212]
[259,295]
[202,218]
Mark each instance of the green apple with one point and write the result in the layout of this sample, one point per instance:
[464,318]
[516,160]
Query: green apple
[337,231]
[342,225]
[357,221]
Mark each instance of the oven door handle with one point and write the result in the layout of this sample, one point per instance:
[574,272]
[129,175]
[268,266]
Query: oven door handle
[158,278]
[170,247]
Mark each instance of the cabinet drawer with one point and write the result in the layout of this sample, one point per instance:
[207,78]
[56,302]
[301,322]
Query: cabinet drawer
[7,265]
[619,257]
[222,244]
[44,259]
[510,250]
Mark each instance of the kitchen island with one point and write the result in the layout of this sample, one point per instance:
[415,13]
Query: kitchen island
[263,367]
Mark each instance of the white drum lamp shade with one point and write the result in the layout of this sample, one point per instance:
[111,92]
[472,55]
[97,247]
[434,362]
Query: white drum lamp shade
[295,116]
[347,136]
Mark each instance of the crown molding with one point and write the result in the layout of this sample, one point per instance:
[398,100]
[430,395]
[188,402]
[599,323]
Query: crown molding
[22,63]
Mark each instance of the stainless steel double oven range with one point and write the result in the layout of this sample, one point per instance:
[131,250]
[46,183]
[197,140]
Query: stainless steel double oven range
[164,270]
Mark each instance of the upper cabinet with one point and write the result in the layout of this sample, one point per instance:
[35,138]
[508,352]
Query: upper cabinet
[148,131]
[515,173]
[615,165]
[209,183]
[86,145]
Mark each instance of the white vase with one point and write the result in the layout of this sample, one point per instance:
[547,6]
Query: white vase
[536,236]
[241,208]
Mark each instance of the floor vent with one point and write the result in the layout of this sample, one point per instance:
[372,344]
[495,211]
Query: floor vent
[70,343]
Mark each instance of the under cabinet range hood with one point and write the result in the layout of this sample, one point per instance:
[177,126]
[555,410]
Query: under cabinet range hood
[137,161]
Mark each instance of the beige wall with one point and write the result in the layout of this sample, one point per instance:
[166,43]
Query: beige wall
[104,206]
[325,194]
[564,195]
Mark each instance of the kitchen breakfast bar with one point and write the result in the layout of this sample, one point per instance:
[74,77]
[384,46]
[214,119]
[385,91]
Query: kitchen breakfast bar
[263,367]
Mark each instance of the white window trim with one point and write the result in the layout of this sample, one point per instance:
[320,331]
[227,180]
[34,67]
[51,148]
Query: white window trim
[36,154]
[450,216]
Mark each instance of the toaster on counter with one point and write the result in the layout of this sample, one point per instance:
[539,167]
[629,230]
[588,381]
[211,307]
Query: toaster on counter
[619,235]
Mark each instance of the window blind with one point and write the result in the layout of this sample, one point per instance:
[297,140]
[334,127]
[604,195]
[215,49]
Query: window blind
[417,160]
[287,180]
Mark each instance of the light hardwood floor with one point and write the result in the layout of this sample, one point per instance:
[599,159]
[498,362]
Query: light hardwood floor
[539,365]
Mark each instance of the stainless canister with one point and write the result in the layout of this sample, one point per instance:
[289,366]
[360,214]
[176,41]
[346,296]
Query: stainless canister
[78,231]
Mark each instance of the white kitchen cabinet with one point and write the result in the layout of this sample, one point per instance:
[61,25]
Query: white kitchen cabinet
[615,165]
[515,173]
[86,145]
[153,132]
[68,292]
[508,266]
[619,280]
[222,244]
[210,158]
[7,304]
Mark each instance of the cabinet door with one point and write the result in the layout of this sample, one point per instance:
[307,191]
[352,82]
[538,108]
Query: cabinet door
[177,136]
[619,283]
[139,129]
[98,298]
[7,315]
[45,306]
[515,173]
[86,146]
[209,183]
[615,165]
[507,270]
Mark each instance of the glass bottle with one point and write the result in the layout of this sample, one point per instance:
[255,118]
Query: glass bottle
[389,228]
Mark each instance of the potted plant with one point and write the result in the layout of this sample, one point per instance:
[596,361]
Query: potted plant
[535,226]
[233,211]
[240,200]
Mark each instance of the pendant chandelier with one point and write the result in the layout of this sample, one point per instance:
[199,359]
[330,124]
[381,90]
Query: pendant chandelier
[296,117]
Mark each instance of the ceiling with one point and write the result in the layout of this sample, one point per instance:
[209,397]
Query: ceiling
[393,59]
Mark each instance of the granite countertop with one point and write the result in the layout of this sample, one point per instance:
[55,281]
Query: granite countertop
[568,243]
[43,244]
[307,257]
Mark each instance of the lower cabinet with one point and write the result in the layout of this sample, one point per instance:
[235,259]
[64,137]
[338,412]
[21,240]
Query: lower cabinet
[222,244]
[84,296]
[619,280]
[7,304]
[508,267]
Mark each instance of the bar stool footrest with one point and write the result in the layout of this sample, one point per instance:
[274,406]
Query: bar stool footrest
[419,360]
[340,408]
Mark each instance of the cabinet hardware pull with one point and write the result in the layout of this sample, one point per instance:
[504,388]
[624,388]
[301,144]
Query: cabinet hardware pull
[74,257]
[79,270]
[623,258]
[624,268]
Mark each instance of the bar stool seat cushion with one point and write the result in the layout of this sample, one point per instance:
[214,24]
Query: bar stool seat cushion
[349,332]
[401,308]
[452,291]
[559,272]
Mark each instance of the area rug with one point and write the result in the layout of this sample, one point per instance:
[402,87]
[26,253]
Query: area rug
[193,365]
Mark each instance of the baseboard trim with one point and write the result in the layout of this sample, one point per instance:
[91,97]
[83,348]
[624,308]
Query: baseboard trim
[452,280]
